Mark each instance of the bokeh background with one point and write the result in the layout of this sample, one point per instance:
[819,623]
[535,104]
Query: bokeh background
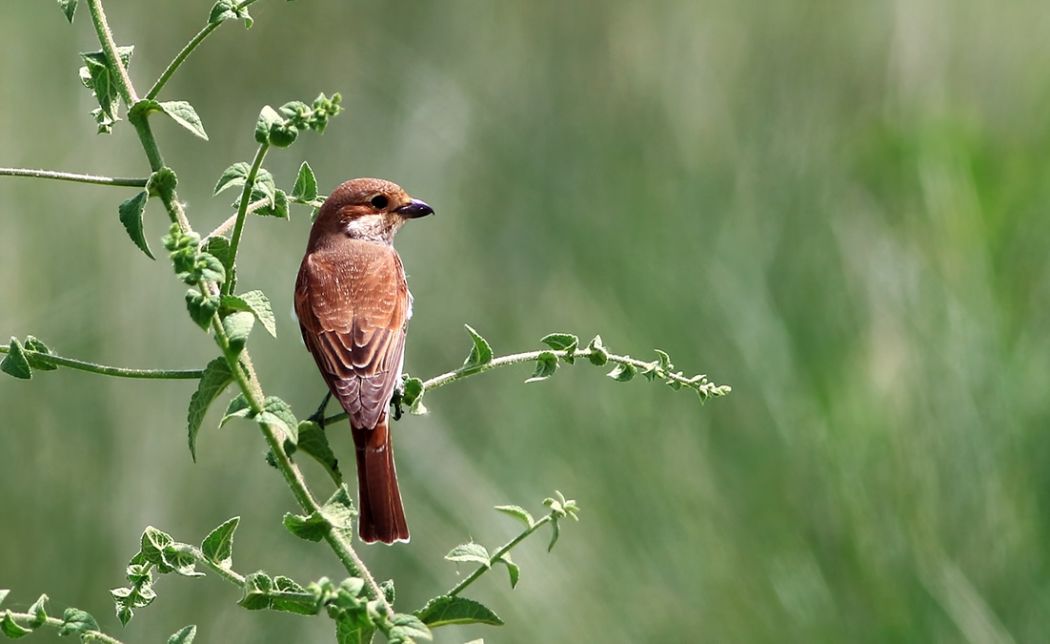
[839,208]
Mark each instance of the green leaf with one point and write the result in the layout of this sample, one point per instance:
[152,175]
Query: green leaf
[219,247]
[215,379]
[184,635]
[313,441]
[290,597]
[512,569]
[3,594]
[201,307]
[480,353]
[154,542]
[76,621]
[518,513]
[353,628]
[555,533]
[38,361]
[39,612]
[257,588]
[183,113]
[562,342]
[131,216]
[254,302]
[623,372]
[15,362]
[162,183]
[305,187]
[233,176]
[407,628]
[470,552]
[218,545]
[11,628]
[598,355]
[446,610]
[229,10]
[238,408]
[268,119]
[546,365]
[68,7]
[238,326]
[97,76]
[180,560]
[389,592]
[339,510]
[665,361]
[210,268]
[312,527]
[277,412]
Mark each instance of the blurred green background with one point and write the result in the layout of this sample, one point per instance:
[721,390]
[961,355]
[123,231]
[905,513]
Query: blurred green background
[836,207]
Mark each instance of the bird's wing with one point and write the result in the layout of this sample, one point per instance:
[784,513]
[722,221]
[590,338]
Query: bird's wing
[352,308]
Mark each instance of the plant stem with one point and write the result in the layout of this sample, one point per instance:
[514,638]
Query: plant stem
[495,557]
[106,370]
[181,57]
[71,176]
[242,210]
[456,375]
[234,578]
[25,619]
[105,38]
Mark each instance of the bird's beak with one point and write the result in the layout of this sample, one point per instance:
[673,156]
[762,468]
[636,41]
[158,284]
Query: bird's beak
[414,209]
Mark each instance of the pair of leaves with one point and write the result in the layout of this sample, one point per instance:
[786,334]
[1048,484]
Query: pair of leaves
[20,364]
[275,412]
[229,10]
[337,513]
[281,593]
[274,202]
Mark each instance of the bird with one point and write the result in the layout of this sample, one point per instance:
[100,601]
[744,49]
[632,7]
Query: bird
[353,305]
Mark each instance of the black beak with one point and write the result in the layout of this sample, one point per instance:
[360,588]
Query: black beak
[414,209]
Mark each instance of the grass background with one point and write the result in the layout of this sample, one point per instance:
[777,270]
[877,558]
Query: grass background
[836,207]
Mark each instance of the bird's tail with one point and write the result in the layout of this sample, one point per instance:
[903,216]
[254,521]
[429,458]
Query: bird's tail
[382,516]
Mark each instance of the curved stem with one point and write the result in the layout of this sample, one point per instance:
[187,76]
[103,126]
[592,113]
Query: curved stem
[181,57]
[25,619]
[495,557]
[106,370]
[242,210]
[72,176]
[105,37]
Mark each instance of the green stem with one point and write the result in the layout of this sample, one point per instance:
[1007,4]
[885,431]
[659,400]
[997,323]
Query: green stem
[456,375]
[25,620]
[71,176]
[242,209]
[181,57]
[234,578]
[105,38]
[106,370]
[495,557]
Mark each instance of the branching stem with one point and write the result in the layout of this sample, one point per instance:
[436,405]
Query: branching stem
[72,176]
[107,370]
[497,555]
[25,620]
[242,209]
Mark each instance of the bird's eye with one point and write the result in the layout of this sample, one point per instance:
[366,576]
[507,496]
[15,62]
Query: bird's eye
[379,202]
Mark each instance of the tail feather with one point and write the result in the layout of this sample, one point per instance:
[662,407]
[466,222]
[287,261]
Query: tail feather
[382,516]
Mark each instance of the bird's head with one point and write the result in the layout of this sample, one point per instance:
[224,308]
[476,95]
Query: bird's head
[370,209]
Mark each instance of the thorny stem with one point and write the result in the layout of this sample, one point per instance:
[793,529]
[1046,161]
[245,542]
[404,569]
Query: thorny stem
[25,620]
[242,209]
[240,364]
[529,356]
[497,555]
[106,370]
[72,176]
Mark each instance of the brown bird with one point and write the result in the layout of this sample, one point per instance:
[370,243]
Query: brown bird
[353,305]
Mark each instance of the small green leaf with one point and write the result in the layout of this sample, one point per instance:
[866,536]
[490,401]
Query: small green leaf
[665,361]
[183,113]
[313,441]
[162,183]
[305,187]
[470,552]
[512,569]
[215,379]
[131,216]
[99,77]
[238,408]
[277,412]
[69,7]
[598,355]
[290,597]
[339,510]
[154,542]
[546,365]
[201,307]
[555,533]
[257,589]
[389,592]
[39,612]
[184,635]
[238,326]
[561,341]
[229,10]
[181,560]
[480,353]
[11,628]
[312,527]
[219,247]
[3,594]
[518,513]
[407,628]
[353,627]
[623,372]
[233,176]
[76,621]
[446,610]
[268,118]
[15,362]
[218,545]
[254,302]
[412,396]
[38,361]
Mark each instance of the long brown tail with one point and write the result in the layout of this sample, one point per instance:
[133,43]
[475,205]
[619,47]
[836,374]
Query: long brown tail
[382,515]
